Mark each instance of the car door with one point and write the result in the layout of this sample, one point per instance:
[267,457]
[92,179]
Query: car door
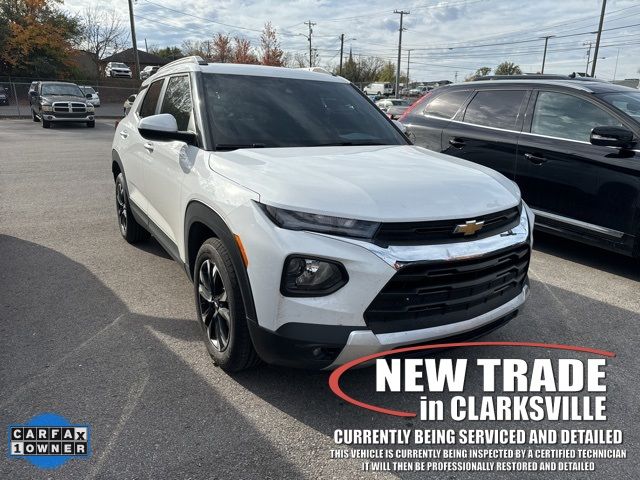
[427,119]
[589,188]
[167,161]
[489,129]
[132,146]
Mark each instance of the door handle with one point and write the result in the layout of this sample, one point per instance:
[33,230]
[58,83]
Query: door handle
[124,134]
[535,159]
[456,142]
[148,146]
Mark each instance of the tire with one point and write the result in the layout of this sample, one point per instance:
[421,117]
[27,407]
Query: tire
[220,309]
[33,116]
[130,229]
[91,124]
[46,123]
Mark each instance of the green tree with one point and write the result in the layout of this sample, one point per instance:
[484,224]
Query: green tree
[508,68]
[170,53]
[37,38]
[483,71]
[388,73]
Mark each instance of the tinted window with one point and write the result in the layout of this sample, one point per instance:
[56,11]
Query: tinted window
[628,102]
[177,101]
[285,112]
[447,104]
[150,100]
[495,108]
[565,116]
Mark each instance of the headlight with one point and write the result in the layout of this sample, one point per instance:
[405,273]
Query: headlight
[311,277]
[46,107]
[90,107]
[348,227]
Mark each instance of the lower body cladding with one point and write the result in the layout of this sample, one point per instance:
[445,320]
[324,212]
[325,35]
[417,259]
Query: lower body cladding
[393,297]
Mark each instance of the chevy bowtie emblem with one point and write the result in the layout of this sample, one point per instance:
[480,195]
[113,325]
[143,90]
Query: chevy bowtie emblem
[469,227]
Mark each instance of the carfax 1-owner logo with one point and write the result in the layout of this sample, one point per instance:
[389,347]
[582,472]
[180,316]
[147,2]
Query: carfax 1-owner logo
[49,440]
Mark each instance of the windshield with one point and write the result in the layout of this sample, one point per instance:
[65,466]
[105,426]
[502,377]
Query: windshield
[255,111]
[119,65]
[628,102]
[68,89]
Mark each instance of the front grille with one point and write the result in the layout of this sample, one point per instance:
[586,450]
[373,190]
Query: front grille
[67,107]
[442,231]
[429,294]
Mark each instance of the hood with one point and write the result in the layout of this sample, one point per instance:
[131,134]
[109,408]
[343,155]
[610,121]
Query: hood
[63,98]
[379,183]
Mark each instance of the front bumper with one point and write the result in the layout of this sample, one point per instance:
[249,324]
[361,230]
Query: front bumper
[324,332]
[49,117]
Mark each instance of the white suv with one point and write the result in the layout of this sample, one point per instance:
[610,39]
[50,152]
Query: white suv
[313,231]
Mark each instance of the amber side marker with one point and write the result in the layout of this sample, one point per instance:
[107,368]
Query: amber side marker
[245,259]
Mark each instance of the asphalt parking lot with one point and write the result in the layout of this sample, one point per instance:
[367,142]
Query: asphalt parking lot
[104,333]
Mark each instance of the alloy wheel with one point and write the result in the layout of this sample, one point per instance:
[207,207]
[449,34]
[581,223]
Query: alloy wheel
[214,305]
[121,206]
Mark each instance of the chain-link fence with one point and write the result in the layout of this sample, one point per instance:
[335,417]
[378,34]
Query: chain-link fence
[15,100]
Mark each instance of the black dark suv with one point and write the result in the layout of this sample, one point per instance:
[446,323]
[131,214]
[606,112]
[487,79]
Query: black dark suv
[571,145]
[53,102]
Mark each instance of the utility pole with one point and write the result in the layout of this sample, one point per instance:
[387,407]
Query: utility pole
[146,47]
[615,70]
[402,14]
[133,38]
[455,78]
[408,64]
[586,70]
[341,53]
[595,53]
[310,24]
[544,55]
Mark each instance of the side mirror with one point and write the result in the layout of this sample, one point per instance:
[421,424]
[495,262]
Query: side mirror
[33,93]
[401,126]
[163,127]
[89,96]
[611,137]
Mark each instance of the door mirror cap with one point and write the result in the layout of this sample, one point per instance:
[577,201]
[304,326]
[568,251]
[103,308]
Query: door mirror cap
[401,126]
[611,137]
[89,96]
[163,127]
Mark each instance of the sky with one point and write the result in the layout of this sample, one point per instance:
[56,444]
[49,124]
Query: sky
[448,39]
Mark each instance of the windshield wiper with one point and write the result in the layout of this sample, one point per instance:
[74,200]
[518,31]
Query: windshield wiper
[347,144]
[236,146]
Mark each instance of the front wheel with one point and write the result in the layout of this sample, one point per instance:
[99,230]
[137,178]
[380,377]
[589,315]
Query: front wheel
[46,123]
[221,310]
[91,124]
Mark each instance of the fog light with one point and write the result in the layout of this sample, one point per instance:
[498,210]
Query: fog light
[312,277]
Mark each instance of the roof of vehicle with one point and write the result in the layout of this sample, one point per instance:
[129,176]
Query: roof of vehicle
[197,64]
[58,83]
[587,85]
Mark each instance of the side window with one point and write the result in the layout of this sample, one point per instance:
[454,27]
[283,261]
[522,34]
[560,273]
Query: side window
[566,116]
[150,100]
[177,101]
[495,108]
[446,105]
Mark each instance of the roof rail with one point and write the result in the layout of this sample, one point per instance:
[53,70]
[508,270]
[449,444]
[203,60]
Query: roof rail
[192,59]
[536,76]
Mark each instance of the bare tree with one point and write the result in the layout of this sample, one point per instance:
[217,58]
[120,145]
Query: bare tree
[222,51]
[300,60]
[102,33]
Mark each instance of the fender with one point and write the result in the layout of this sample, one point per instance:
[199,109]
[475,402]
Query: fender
[115,158]
[199,213]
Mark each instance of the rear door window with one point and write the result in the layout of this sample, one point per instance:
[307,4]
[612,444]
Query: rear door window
[446,104]
[150,100]
[495,108]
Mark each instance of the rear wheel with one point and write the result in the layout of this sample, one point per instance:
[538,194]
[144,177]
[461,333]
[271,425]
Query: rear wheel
[130,229]
[221,310]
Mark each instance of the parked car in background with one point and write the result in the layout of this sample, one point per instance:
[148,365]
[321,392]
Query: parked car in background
[148,71]
[417,91]
[316,237]
[95,99]
[571,145]
[379,89]
[394,112]
[4,96]
[128,102]
[53,102]
[116,69]
[391,102]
